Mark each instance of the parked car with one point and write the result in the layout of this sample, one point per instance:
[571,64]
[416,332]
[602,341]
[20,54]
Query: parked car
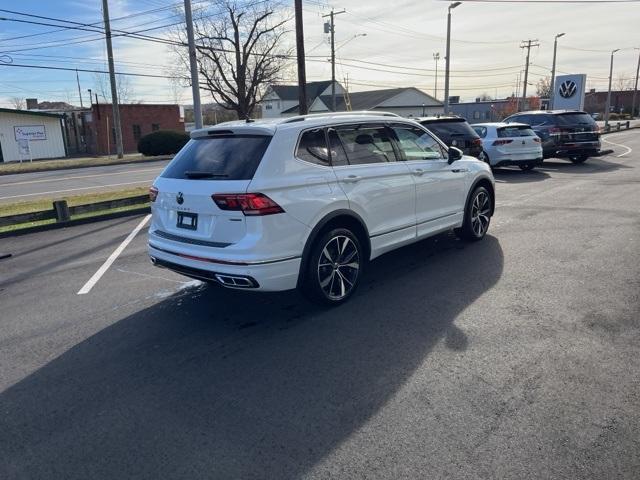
[307,201]
[454,132]
[564,133]
[509,144]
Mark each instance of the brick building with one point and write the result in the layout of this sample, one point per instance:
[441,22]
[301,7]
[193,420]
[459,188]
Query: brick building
[596,102]
[137,121]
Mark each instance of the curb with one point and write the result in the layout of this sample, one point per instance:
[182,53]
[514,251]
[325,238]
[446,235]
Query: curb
[73,223]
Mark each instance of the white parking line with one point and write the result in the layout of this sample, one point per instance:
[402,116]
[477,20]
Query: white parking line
[95,187]
[105,266]
[629,149]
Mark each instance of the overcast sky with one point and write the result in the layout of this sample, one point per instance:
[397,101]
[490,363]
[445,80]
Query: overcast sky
[401,38]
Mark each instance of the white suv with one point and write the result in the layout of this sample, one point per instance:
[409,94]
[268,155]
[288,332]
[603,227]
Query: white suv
[307,201]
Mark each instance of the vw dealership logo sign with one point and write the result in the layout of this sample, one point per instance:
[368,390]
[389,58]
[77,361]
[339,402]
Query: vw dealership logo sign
[568,89]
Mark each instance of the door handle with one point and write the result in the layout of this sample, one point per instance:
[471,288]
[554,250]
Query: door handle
[351,179]
[418,171]
[459,170]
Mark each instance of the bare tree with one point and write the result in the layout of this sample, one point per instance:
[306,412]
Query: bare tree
[543,87]
[123,87]
[17,102]
[622,83]
[239,51]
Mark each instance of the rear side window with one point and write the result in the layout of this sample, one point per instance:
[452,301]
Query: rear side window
[508,132]
[481,131]
[364,144]
[313,147]
[416,144]
[228,157]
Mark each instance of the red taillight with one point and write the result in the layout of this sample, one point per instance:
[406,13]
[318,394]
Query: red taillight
[555,131]
[501,142]
[250,204]
[153,194]
[477,141]
[536,139]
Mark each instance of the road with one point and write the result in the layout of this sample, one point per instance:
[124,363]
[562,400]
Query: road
[29,186]
[515,357]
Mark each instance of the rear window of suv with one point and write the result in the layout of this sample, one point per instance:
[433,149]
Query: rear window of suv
[451,127]
[577,118]
[228,157]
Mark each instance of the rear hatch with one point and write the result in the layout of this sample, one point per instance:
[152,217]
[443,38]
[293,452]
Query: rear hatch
[577,127]
[455,132]
[216,162]
[514,139]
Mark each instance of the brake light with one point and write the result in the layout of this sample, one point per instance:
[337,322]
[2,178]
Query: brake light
[555,131]
[477,141]
[153,193]
[251,204]
[501,142]
[536,139]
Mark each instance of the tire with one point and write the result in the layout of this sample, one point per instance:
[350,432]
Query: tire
[578,158]
[334,267]
[474,227]
[483,157]
[527,166]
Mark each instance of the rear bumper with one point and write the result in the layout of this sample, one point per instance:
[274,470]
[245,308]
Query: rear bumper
[267,275]
[569,149]
[512,161]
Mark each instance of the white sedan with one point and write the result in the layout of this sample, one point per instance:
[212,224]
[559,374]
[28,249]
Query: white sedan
[509,144]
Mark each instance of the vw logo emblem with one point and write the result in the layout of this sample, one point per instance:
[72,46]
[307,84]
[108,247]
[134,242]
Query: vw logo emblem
[568,89]
[180,198]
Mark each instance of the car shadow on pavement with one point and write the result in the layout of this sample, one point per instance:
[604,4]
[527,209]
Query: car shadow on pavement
[515,175]
[591,165]
[211,383]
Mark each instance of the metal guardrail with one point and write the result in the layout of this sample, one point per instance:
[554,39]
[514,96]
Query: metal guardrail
[61,212]
[618,127]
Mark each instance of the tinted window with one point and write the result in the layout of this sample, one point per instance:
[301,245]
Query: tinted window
[229,157]
[575,119]
[338,155]
[416,144]
[451,128]
[365,144]
[540,119]
[504,132]
[481,131]
[313,147]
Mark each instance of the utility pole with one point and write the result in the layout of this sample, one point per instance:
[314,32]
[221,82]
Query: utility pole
[635,89]
[332,30]
[436,57]
[112,78]
[193,63]
[447,58]
[552,94]
[608,110]
[79,91]
[527,44]
[302,75]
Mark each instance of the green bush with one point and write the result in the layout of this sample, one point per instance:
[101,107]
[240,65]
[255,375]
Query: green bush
[162,142]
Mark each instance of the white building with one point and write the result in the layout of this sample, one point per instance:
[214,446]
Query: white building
[25,134]
[282,100]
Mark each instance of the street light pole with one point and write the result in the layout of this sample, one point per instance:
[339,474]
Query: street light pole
[606,113]
[447,59]
[436,57]
[552,94]
[635,89]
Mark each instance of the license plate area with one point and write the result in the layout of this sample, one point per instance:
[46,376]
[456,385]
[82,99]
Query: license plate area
[188,221]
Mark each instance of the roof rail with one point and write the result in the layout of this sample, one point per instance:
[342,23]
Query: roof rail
[311,116]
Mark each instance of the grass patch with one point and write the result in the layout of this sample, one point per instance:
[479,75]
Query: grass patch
[38,205]
[66,163]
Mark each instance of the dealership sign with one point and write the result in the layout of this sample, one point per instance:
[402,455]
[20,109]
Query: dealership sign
[30,132]
[569,92]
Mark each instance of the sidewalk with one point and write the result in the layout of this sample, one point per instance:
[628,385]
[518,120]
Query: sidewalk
[9,168]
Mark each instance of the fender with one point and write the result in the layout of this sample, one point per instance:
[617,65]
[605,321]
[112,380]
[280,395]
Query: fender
[474,184]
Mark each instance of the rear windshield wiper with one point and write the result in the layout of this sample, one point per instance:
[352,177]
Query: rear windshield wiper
[197,174]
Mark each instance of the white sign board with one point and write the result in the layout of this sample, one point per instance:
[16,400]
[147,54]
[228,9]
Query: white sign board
[30,132]
[23,147]
[569,92]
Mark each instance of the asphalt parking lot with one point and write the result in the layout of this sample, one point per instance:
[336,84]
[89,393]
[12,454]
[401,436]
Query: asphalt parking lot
[515,357]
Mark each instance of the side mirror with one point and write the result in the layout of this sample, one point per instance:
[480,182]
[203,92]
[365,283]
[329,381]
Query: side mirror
[454,154]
